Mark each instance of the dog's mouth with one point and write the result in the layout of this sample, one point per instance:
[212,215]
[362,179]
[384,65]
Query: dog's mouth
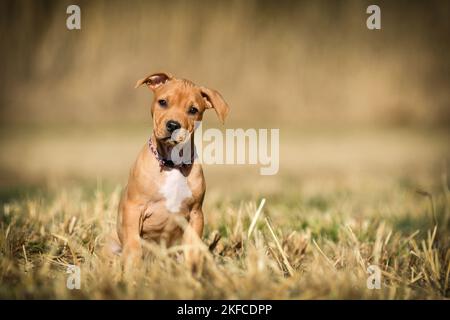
[167,140]
[180,136]
[164,139]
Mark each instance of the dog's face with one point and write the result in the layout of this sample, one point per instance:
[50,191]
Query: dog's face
[178,104]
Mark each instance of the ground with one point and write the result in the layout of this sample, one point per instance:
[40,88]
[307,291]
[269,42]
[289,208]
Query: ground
[342,201]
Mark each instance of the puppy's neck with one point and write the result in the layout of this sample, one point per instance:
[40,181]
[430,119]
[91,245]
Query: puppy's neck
[165,151]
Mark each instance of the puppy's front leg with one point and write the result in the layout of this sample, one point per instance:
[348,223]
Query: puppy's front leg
[130,231]
[192,238]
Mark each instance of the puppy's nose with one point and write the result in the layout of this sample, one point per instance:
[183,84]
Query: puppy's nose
[172,125]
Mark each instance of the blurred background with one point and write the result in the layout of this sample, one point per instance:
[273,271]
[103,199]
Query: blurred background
[353,105]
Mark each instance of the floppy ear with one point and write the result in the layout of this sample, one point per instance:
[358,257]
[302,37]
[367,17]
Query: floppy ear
[214,100]
[155,80]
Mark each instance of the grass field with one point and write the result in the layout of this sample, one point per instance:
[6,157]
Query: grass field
[364,146]
[343,200]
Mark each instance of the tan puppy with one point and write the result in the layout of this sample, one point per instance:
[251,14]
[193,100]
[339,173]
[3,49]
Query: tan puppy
[158,191]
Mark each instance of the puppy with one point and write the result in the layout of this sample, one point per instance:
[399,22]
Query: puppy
[160,190]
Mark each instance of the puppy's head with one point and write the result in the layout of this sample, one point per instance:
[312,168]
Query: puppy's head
[177,104]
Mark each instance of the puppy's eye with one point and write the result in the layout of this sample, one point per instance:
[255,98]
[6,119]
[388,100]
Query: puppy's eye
[162,102]
[193,110]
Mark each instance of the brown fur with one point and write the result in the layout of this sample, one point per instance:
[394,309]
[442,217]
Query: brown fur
[142,210]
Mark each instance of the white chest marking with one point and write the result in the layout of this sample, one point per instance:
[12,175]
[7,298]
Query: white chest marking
[175,189]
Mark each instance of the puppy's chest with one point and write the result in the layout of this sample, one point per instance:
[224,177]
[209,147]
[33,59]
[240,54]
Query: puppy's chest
[174,190]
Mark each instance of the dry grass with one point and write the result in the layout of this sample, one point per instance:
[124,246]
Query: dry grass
[342,200]
[345,196]
[302,246]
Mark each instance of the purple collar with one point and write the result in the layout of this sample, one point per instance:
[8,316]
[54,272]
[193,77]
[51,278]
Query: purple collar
[165,162]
